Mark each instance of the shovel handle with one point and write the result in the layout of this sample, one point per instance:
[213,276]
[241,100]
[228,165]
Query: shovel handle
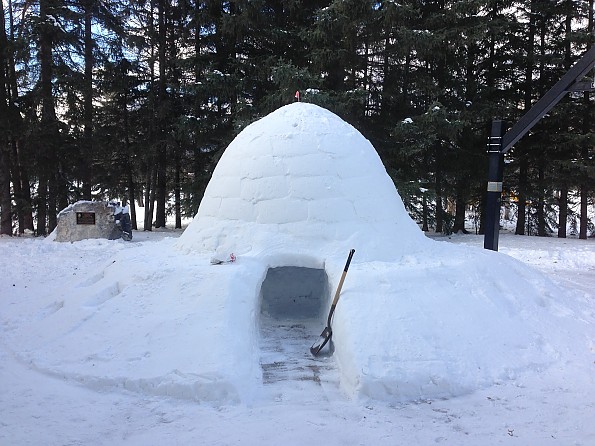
[351,252]
[338,292]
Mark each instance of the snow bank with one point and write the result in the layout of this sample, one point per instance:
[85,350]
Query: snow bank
[447,321]
[145,320]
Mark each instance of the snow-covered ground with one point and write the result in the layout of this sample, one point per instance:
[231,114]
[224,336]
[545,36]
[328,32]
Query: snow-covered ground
[50,396]
[149,342]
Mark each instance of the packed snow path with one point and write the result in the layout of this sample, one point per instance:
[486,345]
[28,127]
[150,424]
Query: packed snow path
[292,303]
[288,365]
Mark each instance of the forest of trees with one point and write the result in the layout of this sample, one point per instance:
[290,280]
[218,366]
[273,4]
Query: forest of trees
[137,99]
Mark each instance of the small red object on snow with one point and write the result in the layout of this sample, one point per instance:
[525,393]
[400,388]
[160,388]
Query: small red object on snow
[230,259]
[297,96]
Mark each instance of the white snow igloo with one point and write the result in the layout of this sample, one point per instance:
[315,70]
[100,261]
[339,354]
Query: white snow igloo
[295,191]
[291,195]
[301,185]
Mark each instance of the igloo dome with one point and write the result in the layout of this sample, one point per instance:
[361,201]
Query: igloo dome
[301,179]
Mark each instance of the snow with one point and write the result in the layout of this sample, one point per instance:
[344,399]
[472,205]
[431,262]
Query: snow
[301,180]
[549,406]
[146,342]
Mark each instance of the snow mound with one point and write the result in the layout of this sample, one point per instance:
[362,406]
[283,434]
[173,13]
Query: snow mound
[448,320]
[301,179]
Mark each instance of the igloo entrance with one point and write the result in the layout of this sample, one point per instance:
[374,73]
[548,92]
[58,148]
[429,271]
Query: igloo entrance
[294,293]
[292,302]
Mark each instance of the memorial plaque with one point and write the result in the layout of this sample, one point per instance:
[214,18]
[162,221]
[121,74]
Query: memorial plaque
[85,218]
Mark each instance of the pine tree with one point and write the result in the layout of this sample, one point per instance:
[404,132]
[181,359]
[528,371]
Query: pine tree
[587,184]
[5,168]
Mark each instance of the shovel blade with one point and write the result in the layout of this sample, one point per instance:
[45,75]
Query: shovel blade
[325,336]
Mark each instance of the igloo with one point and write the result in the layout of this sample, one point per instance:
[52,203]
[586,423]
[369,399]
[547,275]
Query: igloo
[300,187]
[302,183]
[294,192]
[291,195]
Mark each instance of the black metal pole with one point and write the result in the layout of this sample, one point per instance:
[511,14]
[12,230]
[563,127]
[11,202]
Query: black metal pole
[494,190]
[500,143]
[571,81]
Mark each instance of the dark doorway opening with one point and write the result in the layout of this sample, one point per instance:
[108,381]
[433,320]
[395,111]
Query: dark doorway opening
[294,293]
[292,302]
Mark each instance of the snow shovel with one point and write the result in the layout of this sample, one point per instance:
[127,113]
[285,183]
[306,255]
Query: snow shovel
[327,332]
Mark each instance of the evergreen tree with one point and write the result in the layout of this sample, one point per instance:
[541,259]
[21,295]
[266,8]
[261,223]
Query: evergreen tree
[137,99]
[5,195]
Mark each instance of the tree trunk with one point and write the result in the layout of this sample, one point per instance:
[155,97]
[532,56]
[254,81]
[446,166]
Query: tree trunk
[5,198]
[521,196]
[584,217]
[482,213]
[541,224]
[152,194]
[424,213]
[17,185]
[161,183]
[87,149]
[406,79]
[460,208]
[563,212]
[20,174]
[161,187]
[149,183]
[148,221]
[140,196]
[563,191]
[52,203]
[542,162]
[438,188]
[23,198]
[178,191]
[129,168]
[528,93]
[131,194]
[584,187]
[41,203]
[48,126]
[587,127]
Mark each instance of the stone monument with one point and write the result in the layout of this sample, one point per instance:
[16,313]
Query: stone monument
[87,219]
